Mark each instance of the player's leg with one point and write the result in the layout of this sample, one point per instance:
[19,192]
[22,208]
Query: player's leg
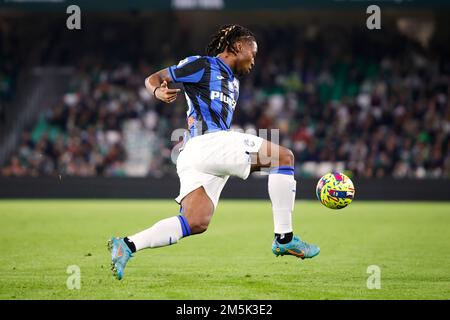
[197,212]
[282,191]
[281,184]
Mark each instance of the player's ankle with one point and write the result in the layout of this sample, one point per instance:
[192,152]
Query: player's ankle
[283,238]
[130,244]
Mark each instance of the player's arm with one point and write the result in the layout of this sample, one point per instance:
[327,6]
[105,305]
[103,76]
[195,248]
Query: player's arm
[188,70]
[156,84]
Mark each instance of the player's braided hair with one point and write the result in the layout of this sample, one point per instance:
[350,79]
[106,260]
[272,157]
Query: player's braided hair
[226,37]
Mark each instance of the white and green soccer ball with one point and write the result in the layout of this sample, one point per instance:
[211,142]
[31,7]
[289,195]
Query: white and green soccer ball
[335,190]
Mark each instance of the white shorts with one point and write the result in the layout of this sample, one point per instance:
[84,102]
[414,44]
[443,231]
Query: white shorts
[210,159]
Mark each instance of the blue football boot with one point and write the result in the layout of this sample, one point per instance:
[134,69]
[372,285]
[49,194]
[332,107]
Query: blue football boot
[120,254]
[296,247]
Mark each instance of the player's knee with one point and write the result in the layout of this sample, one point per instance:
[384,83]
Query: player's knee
[198,210]
[199,224]
[200,227]
[286,157]
[198,219]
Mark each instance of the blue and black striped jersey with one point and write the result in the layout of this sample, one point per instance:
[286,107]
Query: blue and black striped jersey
[211,91]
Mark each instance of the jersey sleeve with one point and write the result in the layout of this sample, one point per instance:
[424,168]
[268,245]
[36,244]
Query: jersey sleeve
[189,70]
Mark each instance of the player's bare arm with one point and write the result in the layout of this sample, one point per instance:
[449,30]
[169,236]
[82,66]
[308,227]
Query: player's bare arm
[157,85]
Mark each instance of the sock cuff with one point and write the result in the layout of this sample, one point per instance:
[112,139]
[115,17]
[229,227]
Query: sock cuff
[184,226]
[288,170]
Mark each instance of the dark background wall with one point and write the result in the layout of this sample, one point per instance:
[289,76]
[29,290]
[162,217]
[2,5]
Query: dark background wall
[253,188]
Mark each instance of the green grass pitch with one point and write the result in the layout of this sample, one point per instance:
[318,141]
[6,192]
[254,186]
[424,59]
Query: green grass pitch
[408,241]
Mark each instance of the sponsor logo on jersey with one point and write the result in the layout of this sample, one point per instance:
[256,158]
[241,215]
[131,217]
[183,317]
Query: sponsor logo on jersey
[224,98]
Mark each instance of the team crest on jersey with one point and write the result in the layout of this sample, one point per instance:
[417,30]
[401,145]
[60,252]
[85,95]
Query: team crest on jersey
[236,85]
[233,86]
[230,86]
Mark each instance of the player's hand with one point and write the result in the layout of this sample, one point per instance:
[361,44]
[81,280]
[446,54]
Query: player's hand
[164,93]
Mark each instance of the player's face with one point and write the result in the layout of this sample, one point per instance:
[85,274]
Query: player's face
[245,59]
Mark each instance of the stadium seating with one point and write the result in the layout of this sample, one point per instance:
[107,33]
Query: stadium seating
[374,107]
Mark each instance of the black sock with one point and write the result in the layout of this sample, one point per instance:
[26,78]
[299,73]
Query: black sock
[130,244]
[284,238]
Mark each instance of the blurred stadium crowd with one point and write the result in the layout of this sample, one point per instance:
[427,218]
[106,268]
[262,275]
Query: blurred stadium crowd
[8,68]
[378,104]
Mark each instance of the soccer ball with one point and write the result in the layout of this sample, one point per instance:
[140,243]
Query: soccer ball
[335,190]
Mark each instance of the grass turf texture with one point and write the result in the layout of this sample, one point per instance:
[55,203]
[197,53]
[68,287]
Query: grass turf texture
[233,259]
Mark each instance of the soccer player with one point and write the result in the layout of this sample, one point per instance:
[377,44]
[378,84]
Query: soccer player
[213,153]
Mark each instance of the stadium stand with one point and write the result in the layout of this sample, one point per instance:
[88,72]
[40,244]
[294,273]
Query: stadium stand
[373,106]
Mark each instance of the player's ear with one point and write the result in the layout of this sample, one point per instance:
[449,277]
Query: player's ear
[238,46]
